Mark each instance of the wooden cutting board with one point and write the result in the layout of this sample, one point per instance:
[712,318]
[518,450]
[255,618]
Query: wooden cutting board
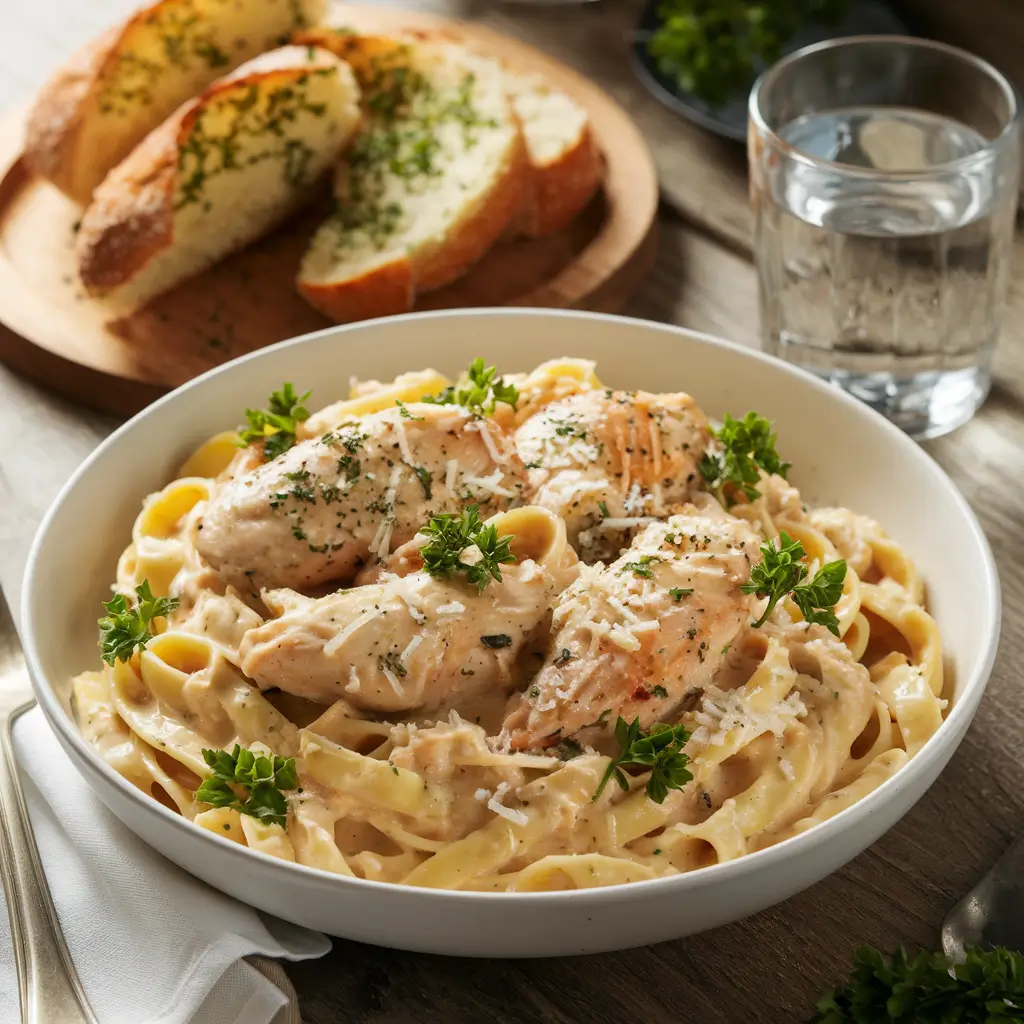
[54,333]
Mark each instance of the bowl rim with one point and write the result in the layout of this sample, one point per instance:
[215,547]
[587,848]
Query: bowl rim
[793,847]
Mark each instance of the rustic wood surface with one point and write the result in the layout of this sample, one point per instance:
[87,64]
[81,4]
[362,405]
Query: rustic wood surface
[53,332]
[767,968]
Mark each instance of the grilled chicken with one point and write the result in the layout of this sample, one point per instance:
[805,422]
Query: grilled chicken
[635,637]
[321,510]
[610,461]
[415,641]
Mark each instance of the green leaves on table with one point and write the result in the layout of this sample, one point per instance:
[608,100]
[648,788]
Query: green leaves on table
[715,48]
[988,988]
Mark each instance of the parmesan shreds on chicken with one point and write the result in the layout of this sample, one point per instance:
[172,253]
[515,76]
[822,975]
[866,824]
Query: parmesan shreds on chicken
[642,631]
[610,462]
[330,504]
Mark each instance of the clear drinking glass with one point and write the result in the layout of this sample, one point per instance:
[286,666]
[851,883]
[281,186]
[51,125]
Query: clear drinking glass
[884,174]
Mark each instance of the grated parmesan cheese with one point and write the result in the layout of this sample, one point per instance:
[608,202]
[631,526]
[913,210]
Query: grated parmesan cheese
[508,813]
[471,555]
[787,770]
[452,608]
[451,473]
[721,712]
[636,499]
[410,647]
[403,439]
[393,680]
[621,638]
[381,543]
[415,612]
[353,680]
[529,571]
[335,643]
[495,453]
[624,522]
[491,483]
[626,613]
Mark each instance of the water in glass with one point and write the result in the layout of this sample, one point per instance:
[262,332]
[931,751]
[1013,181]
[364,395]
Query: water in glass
[893,288]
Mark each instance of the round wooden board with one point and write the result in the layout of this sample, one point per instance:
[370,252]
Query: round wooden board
[52,332]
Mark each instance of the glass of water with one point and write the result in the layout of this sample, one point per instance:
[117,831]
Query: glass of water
[884,175]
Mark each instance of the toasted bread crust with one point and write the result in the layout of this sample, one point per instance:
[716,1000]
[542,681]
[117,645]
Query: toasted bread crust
[381,291]
[52,129]
[558,191]
[131,217]
[59,143]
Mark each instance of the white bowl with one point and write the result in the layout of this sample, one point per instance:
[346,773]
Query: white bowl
[842,453]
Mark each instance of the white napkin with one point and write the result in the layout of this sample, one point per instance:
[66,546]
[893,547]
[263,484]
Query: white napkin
[152,944]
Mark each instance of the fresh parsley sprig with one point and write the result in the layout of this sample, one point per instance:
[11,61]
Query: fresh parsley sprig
[277,425]
[481,392]
[748,445]
[988,987]
[450,535]
[262,780]
[125,627]
[782,571]
[660,750]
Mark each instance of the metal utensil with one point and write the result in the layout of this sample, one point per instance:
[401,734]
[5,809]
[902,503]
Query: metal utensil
[992,913]
[49,989]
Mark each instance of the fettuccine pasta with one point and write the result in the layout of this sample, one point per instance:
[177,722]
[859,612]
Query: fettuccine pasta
[459,716]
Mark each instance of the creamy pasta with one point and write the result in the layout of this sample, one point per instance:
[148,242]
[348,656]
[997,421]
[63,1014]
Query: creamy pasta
[577,690]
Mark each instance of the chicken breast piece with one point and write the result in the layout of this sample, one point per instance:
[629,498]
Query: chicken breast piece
[415,641]
[321,510]
[633,639]
[609,462]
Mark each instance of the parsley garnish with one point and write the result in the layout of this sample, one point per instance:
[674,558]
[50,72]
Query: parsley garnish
[425,477]
[276,426]
[450,535]
[481,392]
[565,657]
[642,567]
[678,593]
[782,571]
[659,691]
[262,779]
[496,641]
[748,444]
[988,986]
[660,750]
[125,628]
[603,506]
[404,412]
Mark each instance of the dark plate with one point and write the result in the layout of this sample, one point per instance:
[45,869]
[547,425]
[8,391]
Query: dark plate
[729,119]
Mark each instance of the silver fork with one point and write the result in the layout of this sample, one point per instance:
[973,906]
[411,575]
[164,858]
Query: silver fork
[992,913]
[49,988]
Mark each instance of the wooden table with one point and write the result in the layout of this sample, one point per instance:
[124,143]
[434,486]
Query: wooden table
[772,966]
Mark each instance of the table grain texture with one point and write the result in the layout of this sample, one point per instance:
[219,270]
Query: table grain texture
[769,967]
